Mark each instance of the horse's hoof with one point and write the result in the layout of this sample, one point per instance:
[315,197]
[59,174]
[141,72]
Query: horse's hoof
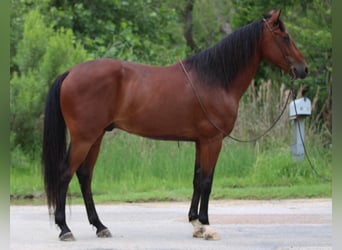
[105,233]
[203,231]
[198,229]
[67,237]
[210,234]
[198,232]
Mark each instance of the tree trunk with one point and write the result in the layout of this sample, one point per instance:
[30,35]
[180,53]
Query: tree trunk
[189,5]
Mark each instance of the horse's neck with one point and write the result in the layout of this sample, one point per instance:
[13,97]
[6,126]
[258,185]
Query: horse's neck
[244,78]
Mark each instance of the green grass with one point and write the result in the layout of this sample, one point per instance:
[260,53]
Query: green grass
[132,169]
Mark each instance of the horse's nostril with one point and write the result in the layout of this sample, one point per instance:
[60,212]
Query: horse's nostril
[306,70]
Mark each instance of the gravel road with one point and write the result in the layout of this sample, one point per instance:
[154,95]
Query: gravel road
[275,224]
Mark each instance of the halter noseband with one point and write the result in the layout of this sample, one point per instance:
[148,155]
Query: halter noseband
[286,57]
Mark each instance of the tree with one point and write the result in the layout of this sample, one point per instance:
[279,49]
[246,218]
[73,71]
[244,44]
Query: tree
[132,29]
[42,54]
[189,5]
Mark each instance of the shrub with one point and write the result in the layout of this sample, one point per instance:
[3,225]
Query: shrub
[42,55]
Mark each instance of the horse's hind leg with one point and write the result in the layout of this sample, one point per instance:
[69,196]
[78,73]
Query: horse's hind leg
[76,155]
[84,174]
[65,234]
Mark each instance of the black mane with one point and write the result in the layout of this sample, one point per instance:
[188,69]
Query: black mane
[219,64]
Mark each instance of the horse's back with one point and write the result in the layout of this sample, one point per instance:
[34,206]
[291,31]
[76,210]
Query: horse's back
[127,95]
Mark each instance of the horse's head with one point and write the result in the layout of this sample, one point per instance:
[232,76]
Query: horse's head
[279,49]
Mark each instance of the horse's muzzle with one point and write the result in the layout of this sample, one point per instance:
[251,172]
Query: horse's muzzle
[299,71]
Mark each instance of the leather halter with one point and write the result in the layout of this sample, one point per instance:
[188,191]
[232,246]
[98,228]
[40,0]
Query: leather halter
[286,57]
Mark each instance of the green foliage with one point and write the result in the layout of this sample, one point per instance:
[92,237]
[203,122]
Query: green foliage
[63,51]
[209,18]
[128,44]
[42,55]
[149,33]
[24,106]
[35,37]
[313,33]
[143,31]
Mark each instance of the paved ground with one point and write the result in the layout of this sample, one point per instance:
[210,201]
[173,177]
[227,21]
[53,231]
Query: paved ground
[280,225]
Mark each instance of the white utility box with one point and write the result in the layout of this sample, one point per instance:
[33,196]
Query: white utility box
[299,109]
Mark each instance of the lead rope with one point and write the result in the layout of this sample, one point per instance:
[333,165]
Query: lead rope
[220,129]
[305,150]
[271,127]
[293,76]
[200,100]
[286,57]
[291,93]
[273,124]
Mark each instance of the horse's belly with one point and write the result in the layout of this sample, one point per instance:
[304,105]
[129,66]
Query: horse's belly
[158,124]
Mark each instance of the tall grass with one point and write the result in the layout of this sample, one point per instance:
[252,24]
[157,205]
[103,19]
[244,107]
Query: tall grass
[142,164]
[135,168]
[258,111]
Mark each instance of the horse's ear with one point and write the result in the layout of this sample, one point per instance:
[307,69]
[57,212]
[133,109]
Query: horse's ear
[274,16]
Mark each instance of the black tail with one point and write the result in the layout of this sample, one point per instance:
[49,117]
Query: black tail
[54,143]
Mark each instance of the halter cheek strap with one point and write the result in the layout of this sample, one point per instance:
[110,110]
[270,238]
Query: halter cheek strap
[286,57]
[268,25]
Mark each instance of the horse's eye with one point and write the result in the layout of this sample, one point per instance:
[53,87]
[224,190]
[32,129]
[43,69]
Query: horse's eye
[286,38]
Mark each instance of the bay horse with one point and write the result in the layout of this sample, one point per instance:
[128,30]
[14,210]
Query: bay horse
[195,99]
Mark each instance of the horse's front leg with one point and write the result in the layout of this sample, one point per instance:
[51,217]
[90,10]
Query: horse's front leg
[206,157]
[193,213]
